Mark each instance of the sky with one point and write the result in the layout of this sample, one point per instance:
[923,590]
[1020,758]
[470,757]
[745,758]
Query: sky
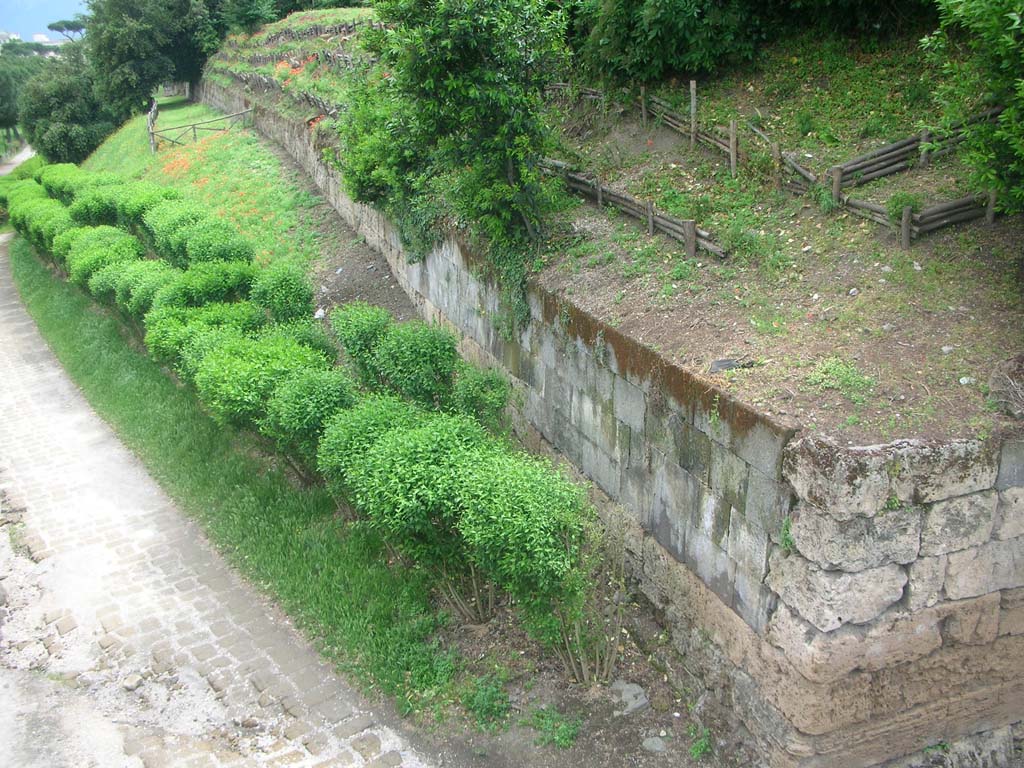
[28,17]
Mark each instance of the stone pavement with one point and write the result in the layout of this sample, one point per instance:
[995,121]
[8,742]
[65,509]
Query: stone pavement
[116,599]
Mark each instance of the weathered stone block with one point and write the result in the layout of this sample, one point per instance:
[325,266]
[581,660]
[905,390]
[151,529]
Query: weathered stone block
[752,600]
[1009,514]
[600,467]
[927,575]
[958,523]
[676,492]
[769,503]
[761,446]
[1011,612]
[891,536]
[711,564]
[693,449]
[988,568]
[630,404]
[860,481]
[830,599]
[1011,465]
[748,546]
[973,622]
[892,639]
[711,517]
[729,476]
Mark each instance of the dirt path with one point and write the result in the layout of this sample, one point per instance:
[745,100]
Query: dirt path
[11,163]
[117,616]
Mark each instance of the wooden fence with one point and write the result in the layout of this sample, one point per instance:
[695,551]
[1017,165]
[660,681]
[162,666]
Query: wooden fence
[685,231]
[182,131]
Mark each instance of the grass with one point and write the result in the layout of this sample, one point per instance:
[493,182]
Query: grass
[232,174]
[376,622]
[553,727]
[837,374]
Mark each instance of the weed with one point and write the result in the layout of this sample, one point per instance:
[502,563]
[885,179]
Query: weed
[834,373]
[805,122]
[900,200]
[714,417]
[786,540]
[700,744]
[554,727]
[486,700]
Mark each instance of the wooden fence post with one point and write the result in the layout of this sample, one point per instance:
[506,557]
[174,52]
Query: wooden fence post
[600,191]
[643,104]
[990,207]
[690,235]
[693,114]
[908,213]
[734,147]
[837,183]
[777,161]
[650,217]
[195,134]
[925,154]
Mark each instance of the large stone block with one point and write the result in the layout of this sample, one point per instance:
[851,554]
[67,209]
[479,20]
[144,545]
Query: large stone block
[693,449]
[711,518]
[630,404]
[1011,465]
[894,638]
[1011,612]
[988,568]
[748,546]
[752,600]
[711,564]
[830,599]
[958,523]
[861,481]
[892,536]
[676,493]
[729,476]
[769,502]
[971,622]
[1009,514]
[926,578]
[761,446]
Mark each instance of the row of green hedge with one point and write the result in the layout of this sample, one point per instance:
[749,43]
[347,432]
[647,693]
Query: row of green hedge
[403,438]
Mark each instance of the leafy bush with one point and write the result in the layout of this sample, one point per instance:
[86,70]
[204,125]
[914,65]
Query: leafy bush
[40,219]
[236,377]
[407,484]
[96,248]
[138,198]
[65,241]
[205,282]
[980,46]
[898,201]
[310,333]
[163,220]
[103,283]
[359,327]
[351,433]
[97,205]
[482,394]
[139,282]
[418,361]
[284,291]
[214,240]
[60,179]
[169,329]
[524,526]
[300,406]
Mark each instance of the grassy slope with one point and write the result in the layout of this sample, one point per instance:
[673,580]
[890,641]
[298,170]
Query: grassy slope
[231,173]
[375,621]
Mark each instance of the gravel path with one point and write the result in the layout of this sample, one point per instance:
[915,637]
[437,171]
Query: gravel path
[125,640]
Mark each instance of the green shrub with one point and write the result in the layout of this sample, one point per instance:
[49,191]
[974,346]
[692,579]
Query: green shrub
[103,283]
[311,334]
[30,168]
[138,198]
[898,201]
[300,406]
[97,247]
[214,240]
[40,220]
[169,329]
[407,484]
[163,221]
[139,283]
[524,526]
[205,282]
[97,205]
[59,179]
[236,378]
[351,433]
[359,327]
[22,191]
[65,241]
[482,394]
[418,361]
[284,291]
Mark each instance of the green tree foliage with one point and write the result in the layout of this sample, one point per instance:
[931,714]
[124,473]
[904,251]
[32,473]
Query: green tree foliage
[980,44]
[300,406]
[16,67]
[70,29]
[247,15]
[135,45]
[62,115]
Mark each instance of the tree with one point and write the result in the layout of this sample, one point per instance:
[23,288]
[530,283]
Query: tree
[71,29]
[62,116]
[980,45]
[247,15]
[16,67]
[135,45]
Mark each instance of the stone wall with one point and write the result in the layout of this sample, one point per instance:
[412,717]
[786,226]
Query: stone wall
[849,605]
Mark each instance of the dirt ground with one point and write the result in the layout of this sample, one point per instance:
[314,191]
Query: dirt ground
[916,333]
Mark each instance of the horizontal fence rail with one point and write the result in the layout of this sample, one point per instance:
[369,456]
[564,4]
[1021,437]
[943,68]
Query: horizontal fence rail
[182,131]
